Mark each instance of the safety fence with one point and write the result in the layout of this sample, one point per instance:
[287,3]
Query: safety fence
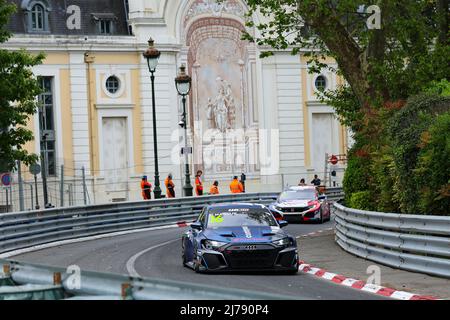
[410,242]
[22,281]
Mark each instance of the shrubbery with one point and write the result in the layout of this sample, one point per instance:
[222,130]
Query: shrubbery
[404,131]
[404,165]
[433,169]
[356,177]
[361,200]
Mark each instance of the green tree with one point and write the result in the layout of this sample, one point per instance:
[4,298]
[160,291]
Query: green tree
[383,67]
[18,91]
[394,62]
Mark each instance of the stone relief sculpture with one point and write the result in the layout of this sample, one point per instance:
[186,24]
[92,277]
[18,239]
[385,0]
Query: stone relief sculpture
[222,95]
[229,99]
[221,113]
[215,8]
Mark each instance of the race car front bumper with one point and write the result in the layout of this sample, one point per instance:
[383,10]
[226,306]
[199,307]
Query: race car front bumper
[301,216]
[241,257]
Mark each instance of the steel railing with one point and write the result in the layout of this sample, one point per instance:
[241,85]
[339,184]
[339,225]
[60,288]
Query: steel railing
[410,242]
[28,229]
[94,285]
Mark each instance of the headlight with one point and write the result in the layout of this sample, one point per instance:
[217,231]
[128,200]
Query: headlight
[282,242]
[213,245]
[314,207]
[279,208]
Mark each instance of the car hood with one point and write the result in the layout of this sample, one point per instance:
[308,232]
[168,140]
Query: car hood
[293,203]
[245,234]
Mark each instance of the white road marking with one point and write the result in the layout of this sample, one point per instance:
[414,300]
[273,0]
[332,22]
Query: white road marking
[84,239]
[131,262]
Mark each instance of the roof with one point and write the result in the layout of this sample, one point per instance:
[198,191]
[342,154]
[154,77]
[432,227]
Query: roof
[235,205]
[301,188]
[57,17]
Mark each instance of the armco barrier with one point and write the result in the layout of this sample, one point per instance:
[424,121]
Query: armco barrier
[94,285]
[28,229]
[410,242]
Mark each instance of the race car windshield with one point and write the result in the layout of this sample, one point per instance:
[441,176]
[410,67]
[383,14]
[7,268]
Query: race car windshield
[298,195]
[240,217]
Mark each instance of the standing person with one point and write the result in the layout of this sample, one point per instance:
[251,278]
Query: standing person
[170,186]
[199,183]
[316,181]
[236,186]
[146,188]
[214,188]
[302,183]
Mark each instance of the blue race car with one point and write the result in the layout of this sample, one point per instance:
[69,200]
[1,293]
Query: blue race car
[238,236]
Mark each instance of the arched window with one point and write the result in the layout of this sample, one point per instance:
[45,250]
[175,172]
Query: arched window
[37,17]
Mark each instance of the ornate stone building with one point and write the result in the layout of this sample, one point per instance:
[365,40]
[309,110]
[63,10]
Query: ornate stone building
[246,114]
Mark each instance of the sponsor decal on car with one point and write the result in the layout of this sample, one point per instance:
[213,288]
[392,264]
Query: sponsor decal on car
[248,240]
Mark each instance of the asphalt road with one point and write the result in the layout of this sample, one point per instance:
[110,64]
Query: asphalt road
[157,254]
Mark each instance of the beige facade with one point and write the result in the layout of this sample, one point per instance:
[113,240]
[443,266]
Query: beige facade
[286,130]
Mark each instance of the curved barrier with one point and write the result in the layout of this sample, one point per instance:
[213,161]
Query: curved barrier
[95,286]
[28,229]
[411,242]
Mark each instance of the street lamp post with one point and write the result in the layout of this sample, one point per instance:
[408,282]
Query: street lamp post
[152,55]
[183,85]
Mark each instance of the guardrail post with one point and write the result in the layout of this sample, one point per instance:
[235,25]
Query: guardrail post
[61,187]
[21,197]
[83,172]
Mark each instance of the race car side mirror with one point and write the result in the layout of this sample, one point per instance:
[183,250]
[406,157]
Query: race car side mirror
[283,223]
[197,226]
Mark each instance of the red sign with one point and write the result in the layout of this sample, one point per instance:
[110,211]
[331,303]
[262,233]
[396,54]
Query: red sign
[334,159]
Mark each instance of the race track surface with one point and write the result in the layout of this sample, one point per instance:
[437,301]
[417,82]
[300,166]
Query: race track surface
[157,254]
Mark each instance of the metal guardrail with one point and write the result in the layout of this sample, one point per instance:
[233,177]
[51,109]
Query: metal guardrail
[27,229]
[94,285]
[410,242]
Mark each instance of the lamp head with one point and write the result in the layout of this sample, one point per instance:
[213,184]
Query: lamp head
[183,81]
[152,55]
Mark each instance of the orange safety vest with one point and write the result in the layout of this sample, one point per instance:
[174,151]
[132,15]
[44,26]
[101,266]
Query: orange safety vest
[236,187]
[170,188]
[214,190]
[146,187]
[198,186]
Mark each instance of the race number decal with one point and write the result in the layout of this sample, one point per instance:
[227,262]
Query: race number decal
[217,218]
